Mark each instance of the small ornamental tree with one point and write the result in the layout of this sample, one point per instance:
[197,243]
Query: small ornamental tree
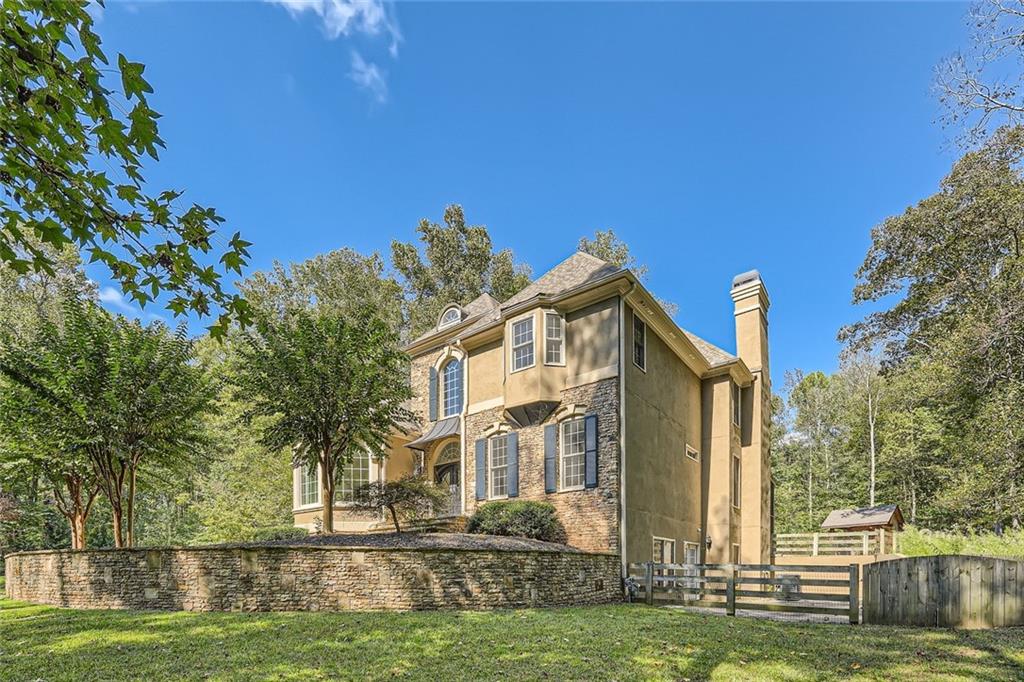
[328,384]
[409,497]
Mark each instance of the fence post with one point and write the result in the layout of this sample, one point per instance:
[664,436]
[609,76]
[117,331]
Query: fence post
[854,594]
[881,541]
[814,545]
[865,538]
[730,590]
[649,582]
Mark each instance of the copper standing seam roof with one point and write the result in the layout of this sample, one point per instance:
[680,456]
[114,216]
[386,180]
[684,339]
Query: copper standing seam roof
[441,429]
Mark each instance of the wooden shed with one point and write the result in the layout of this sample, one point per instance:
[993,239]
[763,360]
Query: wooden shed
[884,516]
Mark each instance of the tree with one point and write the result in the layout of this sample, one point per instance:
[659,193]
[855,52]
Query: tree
[71,156]
[44,418]
[458,264]
[984,83]
[411,496]
[342,280]
[864,385]
[609,248]
[328,384]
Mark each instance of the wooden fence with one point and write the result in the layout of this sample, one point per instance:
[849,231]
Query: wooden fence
[822,590]
[945,591]
[837,543]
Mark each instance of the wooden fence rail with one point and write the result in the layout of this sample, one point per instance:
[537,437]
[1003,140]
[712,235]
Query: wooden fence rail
[823,590]
[843,543]
[945,591]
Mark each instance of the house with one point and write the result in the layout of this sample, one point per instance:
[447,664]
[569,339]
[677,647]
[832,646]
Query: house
[581,391]
[885,516]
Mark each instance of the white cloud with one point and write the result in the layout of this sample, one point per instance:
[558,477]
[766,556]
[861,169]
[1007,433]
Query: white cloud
[369,77]
[115,300]
[347,17]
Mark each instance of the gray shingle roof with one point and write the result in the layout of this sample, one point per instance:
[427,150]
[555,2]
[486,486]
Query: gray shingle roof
[712,353]
[574,271]
[879,515]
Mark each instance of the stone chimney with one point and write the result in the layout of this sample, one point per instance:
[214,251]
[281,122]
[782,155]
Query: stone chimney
[751,303]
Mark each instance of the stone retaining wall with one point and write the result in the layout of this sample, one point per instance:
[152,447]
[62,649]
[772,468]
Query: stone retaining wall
[311,578]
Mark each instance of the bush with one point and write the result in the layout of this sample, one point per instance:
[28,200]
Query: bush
[520,518]
[922,542]
[279,533]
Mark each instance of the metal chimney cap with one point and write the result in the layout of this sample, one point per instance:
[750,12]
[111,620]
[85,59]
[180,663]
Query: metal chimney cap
[744,278]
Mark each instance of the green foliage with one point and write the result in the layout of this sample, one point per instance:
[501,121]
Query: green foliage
[920,542]
[408,497]
[457,265]
[72,149]
[520,518]
[283,532]
[326,383]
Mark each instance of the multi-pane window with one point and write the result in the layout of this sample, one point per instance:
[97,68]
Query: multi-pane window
[522,344]
[497,466]
[309,486]
[572,453]
[737,487]
[451,388]
[639,342]
[356,474]
[737,404]
[450,317]
[664,551]
[554,339]
[692,453]
[691,557]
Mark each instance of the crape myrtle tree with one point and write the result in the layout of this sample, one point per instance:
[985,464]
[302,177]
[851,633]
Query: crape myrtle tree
[410,496]
[97,398]
[75,131]
[328,384]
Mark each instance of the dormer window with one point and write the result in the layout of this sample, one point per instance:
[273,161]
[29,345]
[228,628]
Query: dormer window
[450,316]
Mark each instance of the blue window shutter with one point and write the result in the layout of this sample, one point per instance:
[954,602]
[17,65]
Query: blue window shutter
[513,464]
[550,457]
[432,400]
[590,454]
[481,469]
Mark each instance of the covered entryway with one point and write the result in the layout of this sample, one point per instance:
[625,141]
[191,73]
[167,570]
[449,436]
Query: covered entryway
[447,476]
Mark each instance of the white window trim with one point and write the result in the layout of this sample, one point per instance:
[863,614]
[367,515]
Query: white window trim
[441,324]
[696,547]
[512,347]
[737,481]
[692,453]
[490,467]
[561,340]
[632,348]
[373,475]
[297,499]
[561,456]
[655,538]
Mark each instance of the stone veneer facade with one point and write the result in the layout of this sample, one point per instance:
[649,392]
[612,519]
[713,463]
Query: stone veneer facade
[311,578]
[591,515]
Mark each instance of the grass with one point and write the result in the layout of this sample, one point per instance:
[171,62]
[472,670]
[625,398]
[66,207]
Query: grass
[919,542]
[620,642]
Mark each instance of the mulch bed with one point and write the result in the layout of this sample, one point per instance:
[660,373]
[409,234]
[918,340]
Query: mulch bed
[412,540]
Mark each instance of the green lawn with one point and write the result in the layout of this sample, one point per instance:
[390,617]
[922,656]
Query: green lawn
[623,642]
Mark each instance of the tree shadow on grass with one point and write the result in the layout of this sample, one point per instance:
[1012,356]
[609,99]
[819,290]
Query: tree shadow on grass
[616,642]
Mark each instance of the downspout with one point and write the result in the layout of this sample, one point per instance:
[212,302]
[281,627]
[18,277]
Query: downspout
[622,430]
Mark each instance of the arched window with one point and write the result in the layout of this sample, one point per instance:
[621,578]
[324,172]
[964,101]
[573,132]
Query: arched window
[451,388]
[449,453]
[450,316]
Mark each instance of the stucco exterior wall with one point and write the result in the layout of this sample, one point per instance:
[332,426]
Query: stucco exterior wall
[592,342]
[485,375]
[590,516]
[721,441]
[664,486]
[311,579]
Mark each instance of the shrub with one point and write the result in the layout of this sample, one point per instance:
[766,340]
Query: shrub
[409,497]
[520,518]
[279,533]
[922,542]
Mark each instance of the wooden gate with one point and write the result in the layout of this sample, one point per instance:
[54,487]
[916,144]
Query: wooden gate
[945,591]
[821,590]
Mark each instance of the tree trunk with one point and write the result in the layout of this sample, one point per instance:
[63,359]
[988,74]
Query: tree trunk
[130,510]
[77,530]
[327,496]
[116,517]
[394,518]
[871,434]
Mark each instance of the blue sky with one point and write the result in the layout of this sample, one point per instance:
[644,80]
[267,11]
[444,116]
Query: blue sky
[713,138]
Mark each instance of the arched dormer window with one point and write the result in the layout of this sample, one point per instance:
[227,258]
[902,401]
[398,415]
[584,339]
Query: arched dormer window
[451,388]
[451,315]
